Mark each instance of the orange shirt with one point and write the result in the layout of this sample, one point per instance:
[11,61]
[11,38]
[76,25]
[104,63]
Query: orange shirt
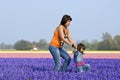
[56,41]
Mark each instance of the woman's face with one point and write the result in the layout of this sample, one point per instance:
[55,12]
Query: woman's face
[67,23]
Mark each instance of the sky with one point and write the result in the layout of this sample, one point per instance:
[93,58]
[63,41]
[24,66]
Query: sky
[33,20]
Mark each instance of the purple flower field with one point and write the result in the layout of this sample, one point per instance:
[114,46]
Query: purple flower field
[42,69]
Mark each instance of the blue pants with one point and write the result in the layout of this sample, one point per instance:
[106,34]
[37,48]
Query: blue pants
[85,67]
[57,53]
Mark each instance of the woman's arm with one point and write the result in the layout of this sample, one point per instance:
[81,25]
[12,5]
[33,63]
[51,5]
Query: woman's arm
[61,34]
[68,41]
[71,40]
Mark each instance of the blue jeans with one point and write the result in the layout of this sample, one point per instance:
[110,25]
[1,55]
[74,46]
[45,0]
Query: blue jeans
[83,68]
[57,53]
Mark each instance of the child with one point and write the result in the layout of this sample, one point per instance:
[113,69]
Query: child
[78,59]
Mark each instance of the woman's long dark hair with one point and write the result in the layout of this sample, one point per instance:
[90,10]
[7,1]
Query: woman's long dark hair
[65,18]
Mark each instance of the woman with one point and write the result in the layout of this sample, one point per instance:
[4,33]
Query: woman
[61,36]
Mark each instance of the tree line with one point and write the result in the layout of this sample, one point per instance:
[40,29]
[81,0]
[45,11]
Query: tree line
[107,43]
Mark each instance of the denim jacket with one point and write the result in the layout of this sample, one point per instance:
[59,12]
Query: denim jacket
[78,56]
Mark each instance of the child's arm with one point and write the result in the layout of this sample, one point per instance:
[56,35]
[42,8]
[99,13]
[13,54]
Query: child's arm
[74,50]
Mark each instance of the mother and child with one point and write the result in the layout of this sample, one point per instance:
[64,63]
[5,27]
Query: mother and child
[61,36]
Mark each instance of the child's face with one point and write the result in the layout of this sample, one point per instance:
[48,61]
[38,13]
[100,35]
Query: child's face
[82,49]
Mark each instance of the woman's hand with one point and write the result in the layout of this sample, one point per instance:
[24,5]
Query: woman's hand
[74,46]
